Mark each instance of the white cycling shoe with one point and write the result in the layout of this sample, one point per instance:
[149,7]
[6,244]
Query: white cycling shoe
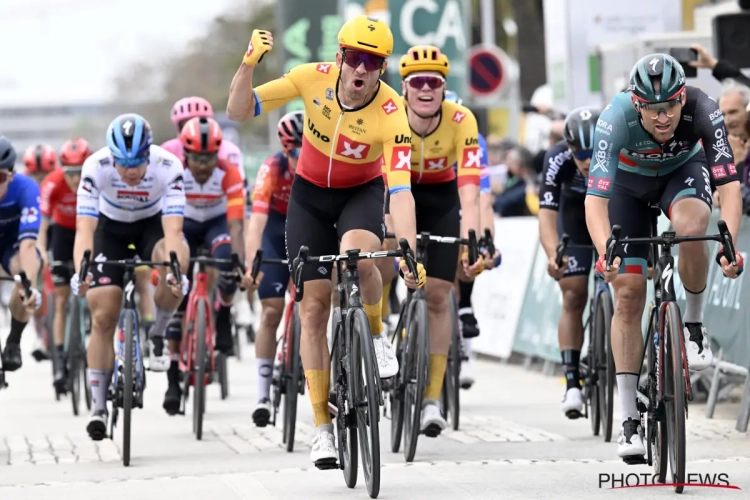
[433,422]
[467,378]
[323,453]
[158,358]
[386,356]
[699,355]
[572,403]
[630,443]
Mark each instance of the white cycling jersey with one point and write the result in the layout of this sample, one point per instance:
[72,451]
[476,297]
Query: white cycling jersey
[102,190]
[222,195]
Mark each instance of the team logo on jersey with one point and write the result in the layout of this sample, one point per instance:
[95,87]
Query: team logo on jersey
[29,215]
[140,196]
[329,94]
[718,172]
[458,117]
[177,183]
[88,185]
[389,107]
[351,149]
[472,157]
[590,183]
[436,163]
[603,184]
[732,169]
[721,146]
[324,68]
[401,159]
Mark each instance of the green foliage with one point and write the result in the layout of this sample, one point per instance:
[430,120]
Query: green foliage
[205,69]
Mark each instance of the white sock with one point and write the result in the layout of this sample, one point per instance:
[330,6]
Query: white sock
[693,307]
[161,320]
[627,383]
[467,347]
[99,380]
[265,377]
[465,310]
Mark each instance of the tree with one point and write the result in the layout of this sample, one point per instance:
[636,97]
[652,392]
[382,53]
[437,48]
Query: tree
[205,69]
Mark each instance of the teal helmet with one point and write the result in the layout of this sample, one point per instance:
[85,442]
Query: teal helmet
[662,68]
[453,97]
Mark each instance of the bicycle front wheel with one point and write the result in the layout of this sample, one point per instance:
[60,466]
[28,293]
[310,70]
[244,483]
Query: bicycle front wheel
[293,378]
[452,383]
[127,385]
[605,365]
[416,366]
[201,358]
[345,433]
[365,387]
[675,405]
[73,356]
[396,395]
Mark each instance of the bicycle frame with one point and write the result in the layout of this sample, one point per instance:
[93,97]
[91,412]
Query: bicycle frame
[188,349]
[129,309]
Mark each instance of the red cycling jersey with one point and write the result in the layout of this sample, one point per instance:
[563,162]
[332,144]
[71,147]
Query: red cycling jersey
[273,185]
[57,200]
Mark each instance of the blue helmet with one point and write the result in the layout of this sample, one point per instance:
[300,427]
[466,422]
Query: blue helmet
[129,140]
[7,154]
[452,97]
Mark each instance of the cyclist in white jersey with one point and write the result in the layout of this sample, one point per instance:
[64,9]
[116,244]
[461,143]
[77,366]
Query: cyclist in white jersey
[131,192]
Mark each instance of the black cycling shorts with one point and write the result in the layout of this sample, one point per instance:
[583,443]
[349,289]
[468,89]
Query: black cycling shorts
[111,241]
[632,194]
[438,212]
[571,220]
[61,246]
[319,217]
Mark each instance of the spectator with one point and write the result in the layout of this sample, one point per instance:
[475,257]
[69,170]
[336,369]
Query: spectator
[520,194]
[733,104]
[721,70]
[497,151]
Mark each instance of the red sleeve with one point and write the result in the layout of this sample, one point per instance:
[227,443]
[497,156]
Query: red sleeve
[48,194]
[265,184]
[235,191]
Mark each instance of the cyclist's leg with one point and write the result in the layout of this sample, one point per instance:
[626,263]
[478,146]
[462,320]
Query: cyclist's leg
[438,207]
[385,266]
[217,239]
[574,286]
[150,245]
[271,292]
[62,243]
[629,208]
[111,240]
[40,315]
[145,291]
[687,202]
[20,316]
[310,221]
[361,225]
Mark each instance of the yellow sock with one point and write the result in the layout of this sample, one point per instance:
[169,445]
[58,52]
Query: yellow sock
[384,302]
[373,314]
[437,373]
[318,382]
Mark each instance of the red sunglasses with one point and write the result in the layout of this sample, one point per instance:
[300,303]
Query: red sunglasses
[354,58]
[418,82]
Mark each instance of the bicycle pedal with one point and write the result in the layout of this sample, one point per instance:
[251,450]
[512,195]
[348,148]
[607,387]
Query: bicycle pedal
[326,464]
[635,460]
[573,414]
[432,431]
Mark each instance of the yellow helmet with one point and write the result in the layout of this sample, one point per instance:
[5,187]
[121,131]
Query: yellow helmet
[424,58]
[368,35]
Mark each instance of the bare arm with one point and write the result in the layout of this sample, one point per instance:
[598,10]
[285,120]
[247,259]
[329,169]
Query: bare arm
[255,233]
[172,226]
[85,227]
[236,230]
[41,239]
[548,231]
[486,214]
[469,196]
[28,260]
[241,103]
[597,221]
[731,207]
[404,219]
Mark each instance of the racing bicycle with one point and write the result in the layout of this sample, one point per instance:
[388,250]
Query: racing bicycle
[667,391]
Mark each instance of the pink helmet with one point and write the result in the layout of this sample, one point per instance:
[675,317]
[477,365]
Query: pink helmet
[190,107]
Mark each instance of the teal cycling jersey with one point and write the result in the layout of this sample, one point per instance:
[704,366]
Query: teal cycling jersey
[621,143]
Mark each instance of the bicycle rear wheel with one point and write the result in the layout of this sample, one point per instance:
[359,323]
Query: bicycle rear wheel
[345,434]
[605,365]
[222,369]
[591,386]
[452,383]
[365,389]
[199,399]
[416,368]
[293,378]
[674,382]
[127,385]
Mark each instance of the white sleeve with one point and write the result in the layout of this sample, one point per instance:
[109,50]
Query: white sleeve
[87,197]
[174,191]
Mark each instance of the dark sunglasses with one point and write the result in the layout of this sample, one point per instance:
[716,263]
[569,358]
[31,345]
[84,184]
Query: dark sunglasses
[418,82]
[354,58]
[201,157]
[583,154]
[72,171]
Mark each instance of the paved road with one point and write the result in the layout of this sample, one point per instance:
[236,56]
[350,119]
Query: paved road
[513,443]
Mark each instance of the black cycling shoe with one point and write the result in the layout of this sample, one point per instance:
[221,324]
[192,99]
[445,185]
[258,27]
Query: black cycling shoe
[469,327]
[172,399]
[262,413]
[97,426]
[61,382]
[12,359]
[224,337]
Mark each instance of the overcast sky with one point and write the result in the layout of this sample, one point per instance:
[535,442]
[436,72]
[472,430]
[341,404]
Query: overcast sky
[56,51]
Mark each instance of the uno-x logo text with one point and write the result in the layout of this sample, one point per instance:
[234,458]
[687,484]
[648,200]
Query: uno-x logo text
[316,132]
[401,158]
[352,149]
[458,117]
[324,68]
[472,157]
[436,163]
[389,107]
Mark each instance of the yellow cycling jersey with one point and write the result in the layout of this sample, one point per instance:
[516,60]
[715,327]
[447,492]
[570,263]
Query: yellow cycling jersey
[455,140]
[343,147]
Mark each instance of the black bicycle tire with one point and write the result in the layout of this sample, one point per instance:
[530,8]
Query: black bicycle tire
[236,342]
[417,344]
[347,436]
[72,353]
[293,381]
[676,438]
[48,342]
[222,367]
[453,371]
[592,377]
[608,373]
[282,381]
[127,387]
[369,422]
[660,433]
[201,356]
[396,395]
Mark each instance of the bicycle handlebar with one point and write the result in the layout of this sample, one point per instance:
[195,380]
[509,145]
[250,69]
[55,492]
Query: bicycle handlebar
[563,245]
[471,242]
[670,238]
[258,260]
[488,242]
[173,263]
